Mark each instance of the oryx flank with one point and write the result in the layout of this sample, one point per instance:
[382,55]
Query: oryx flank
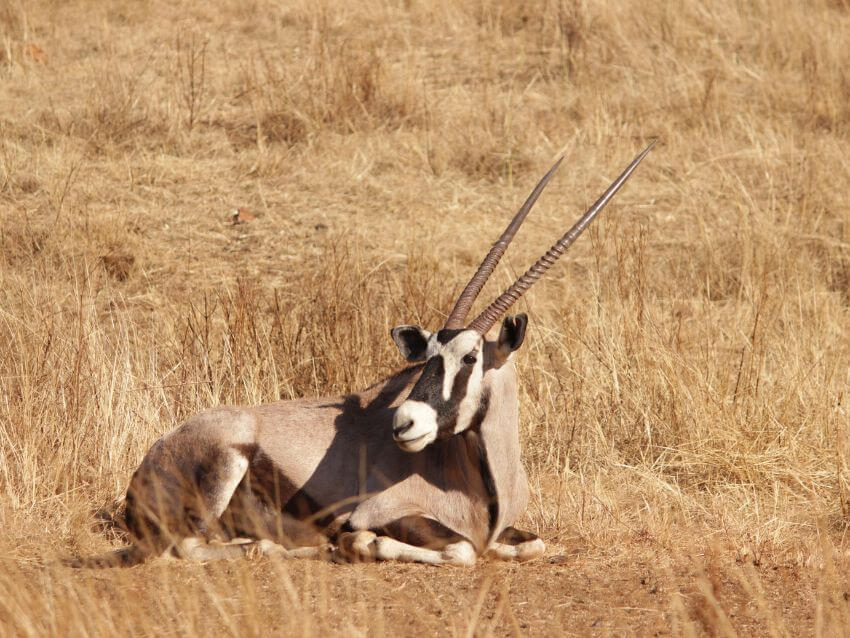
[423,466]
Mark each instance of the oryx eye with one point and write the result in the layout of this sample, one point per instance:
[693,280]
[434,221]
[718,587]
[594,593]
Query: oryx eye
[469,359]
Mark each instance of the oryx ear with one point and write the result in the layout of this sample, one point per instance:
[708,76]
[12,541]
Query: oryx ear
[512,333]
[412,341]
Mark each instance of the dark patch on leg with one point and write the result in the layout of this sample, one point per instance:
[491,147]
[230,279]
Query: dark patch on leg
[421,532]
[514,536]
[204,471]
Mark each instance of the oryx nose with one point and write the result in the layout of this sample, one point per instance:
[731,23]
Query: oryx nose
[399,430]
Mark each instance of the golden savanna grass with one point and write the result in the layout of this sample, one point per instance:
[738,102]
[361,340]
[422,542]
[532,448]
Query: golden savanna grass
[233,202]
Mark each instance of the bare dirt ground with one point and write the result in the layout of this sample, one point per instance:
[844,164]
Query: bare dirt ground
[235,202]
[640,592]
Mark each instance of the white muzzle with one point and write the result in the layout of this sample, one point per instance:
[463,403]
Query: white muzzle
[414,426]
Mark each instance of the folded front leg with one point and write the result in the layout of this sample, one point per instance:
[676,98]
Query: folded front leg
[411,539]
[461,553]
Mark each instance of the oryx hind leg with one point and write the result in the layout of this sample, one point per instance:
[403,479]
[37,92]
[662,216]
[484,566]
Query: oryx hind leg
[515,544]
[186,480]
[254,515]
[197,549]
[411,539]
[218,477]
[216,486]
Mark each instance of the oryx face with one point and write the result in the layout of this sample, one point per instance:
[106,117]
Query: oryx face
[450,396]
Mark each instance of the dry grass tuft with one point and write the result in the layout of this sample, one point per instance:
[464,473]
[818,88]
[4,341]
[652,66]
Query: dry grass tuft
[685,382]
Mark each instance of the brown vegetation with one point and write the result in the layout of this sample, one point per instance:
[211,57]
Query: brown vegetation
[685,414]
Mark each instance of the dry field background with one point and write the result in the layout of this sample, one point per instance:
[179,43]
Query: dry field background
[685,417]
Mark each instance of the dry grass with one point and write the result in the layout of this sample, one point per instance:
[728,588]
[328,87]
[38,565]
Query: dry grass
[685,413]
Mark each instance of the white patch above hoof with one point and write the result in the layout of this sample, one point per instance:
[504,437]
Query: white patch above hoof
[530,549]
[462,554]
[355,547]
[387,548]
[364,545]
[520,552]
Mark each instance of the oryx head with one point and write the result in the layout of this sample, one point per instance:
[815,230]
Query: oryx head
[450,395]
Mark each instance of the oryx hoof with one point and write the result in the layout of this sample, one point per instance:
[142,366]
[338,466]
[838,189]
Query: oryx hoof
[356,547]
[263,547]
[530,550]
[461,554]
[267,547]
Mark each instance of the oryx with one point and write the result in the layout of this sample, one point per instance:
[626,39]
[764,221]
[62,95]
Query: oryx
[423,466]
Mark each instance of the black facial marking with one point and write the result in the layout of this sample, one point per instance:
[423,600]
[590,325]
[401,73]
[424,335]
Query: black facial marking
[429,389]
[460,383]
[447,334]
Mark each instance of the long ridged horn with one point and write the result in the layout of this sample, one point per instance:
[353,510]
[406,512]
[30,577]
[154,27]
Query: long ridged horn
[488,317]
[457,317]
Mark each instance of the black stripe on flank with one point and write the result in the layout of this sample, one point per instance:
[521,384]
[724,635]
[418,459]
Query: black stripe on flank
[486,473]
[490,486]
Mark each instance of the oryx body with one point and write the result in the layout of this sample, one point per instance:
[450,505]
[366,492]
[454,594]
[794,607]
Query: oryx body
[333,461]
[423,466]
